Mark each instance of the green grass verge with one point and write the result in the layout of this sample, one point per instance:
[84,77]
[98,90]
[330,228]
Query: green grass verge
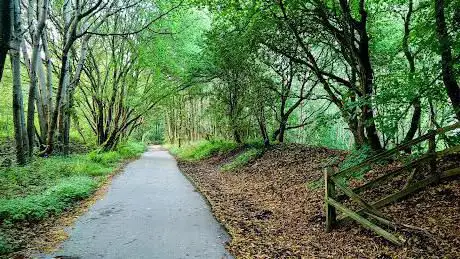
[49,186]
[51,202]
[243,159]
[203,149]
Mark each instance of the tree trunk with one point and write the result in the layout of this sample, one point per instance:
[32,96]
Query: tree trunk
[357,130]
[448,76]
[282,130]
[263,127]
[367,82]
[63,108]
[58,106]
[416,116]
[20,132]
[45,91]
[5,32]
[415,121]
[36,37]
[237,136]
[62,94]
[42,102]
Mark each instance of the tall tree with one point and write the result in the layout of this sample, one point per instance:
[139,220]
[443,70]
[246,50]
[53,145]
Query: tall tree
[20,131]
[447,62]
[36,32]
[5,33]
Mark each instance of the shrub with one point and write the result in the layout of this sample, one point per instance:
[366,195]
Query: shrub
[53,201]
[90,168]
[243,159]
[106,158]
[131,149]
[355,157]
[44,173]
[124,151]
[203,149]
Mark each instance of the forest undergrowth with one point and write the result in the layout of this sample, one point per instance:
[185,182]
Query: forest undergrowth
[272,207]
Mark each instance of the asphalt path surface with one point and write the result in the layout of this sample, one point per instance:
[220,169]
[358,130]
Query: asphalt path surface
[150,211]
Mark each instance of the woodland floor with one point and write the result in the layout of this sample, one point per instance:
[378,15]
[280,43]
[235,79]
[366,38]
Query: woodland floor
[270,213]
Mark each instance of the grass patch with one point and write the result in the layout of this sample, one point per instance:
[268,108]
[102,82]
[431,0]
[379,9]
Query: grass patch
[203,149]
[243,159]
[53,201]
[44,173]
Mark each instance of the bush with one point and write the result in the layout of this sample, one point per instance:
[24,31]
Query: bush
[89,168]
[106,158]
[127,150]
[131,150]
[44,173]
[243,159]
[53,201]
[355,157]
[203,149]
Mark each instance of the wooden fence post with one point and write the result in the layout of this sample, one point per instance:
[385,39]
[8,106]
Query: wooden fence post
[432,152]
[329,187]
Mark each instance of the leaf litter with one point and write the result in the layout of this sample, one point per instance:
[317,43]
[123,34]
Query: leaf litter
[270,213]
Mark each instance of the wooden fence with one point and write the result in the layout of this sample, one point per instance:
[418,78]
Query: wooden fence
[368,214]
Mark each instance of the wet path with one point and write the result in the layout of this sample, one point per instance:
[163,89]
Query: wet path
[150,211]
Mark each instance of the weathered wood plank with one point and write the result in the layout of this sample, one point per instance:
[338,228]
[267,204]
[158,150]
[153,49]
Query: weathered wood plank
[450,173]
[366,223]
[329,193]
[396,172]
[448,151]
[400,147]
[410,179]
[413,188]
[356,198]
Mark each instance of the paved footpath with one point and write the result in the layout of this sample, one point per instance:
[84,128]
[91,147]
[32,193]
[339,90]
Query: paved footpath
[150,211]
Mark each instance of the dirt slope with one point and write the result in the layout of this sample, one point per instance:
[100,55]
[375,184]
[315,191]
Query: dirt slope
[270,213]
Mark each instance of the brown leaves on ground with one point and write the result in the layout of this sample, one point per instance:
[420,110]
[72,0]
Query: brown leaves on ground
[270,213]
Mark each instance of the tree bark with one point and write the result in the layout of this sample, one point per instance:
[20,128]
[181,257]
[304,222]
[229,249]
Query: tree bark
[36,37]
[5,32]
[367,81]
[417,114]
[263,128]
[20,131]
[445,48]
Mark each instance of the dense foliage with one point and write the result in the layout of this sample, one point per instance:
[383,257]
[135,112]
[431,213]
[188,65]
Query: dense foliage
[335,73]
[339,73]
